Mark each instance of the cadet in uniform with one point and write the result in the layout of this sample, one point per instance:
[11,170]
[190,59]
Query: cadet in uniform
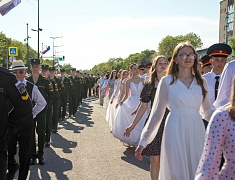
[79,87]
[86,80]
[56,101]
[23,134]
[46,89]
[45,73]
[65,83]
[205,64]
[19,98]
[73,93]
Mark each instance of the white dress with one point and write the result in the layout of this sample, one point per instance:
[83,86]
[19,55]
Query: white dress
[184,132]
[111,110]
[123,117]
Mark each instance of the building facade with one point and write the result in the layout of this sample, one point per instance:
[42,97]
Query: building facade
[226,25]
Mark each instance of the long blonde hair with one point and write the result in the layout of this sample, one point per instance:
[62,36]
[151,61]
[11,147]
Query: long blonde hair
[231,105]
[173,68]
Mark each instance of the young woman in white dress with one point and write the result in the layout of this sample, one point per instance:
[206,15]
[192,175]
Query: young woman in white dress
[184,92]
[156,72]
[116,97]
[108,87]
[127,105]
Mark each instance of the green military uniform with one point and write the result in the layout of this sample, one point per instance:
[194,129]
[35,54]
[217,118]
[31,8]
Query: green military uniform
[82,89]
[73,95]
[49,111]
[86,85]
[46,90]
[89,85]
[65,85]
[56,101]
[79,90]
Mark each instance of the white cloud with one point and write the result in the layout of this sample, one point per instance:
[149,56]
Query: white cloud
[95,42]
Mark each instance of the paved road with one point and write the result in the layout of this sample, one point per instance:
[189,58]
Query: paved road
[84,149]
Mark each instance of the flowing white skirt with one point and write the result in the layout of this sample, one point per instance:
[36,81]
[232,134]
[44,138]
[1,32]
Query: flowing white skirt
[123,119]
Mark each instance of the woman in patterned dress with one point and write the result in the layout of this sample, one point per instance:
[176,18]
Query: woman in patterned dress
[220,138]
[157,71]
[109,88]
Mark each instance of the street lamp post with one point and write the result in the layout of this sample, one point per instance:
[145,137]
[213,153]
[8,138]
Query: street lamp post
[27,42]
[53,38]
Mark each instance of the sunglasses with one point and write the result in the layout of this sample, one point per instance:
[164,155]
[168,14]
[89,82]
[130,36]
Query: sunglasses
[18,72]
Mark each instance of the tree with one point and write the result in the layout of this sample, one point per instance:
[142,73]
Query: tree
[232,44]
[167,44]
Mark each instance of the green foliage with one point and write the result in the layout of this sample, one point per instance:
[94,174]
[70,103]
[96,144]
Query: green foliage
[232,44]
[118,63]
[6,42]
[167,44]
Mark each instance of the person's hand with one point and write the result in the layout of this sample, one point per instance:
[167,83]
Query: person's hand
[119,104]
[138,152]
[134,112]
[128,130]
[111,101]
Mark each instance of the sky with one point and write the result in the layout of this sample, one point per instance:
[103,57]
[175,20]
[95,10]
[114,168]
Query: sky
[93,31]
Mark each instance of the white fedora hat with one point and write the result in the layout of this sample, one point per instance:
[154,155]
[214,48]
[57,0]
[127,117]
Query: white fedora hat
[18,64]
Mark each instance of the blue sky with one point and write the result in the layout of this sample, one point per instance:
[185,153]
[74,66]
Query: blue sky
[95,30]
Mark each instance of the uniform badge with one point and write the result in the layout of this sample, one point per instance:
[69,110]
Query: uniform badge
[56,87]
[1,90]
[50,87]
[71,83]
[62,83]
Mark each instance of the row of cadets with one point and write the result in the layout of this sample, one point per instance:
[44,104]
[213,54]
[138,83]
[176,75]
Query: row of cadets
[23,133]
[46,89]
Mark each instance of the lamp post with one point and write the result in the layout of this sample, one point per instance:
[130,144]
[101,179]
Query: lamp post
[39,29]
[27,41]
[53,38]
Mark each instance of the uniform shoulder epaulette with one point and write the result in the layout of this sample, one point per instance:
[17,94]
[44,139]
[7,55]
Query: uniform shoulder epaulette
[6,71]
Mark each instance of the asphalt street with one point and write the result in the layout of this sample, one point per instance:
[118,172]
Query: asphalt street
[84,149]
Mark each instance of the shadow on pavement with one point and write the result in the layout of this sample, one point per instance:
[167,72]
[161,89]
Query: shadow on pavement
[54,164]
[57,141]
[129,156]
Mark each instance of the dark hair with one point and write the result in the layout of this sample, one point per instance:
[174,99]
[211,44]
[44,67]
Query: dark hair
[111,74]
[132,64]
[173,68]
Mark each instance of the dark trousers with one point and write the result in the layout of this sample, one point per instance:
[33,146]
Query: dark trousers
[23,136]
[55,116]
[73,102]
[40,126]
[63,105]
[3,161]
[85,91]
[89,91]
[49,121]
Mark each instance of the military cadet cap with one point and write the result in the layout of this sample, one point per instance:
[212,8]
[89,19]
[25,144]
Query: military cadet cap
[62,70]
[52,69]
[73,69]
[45,67]
[148,65]
[141,67]
[77,71]
[35,61]
[219,49]
[206,60]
